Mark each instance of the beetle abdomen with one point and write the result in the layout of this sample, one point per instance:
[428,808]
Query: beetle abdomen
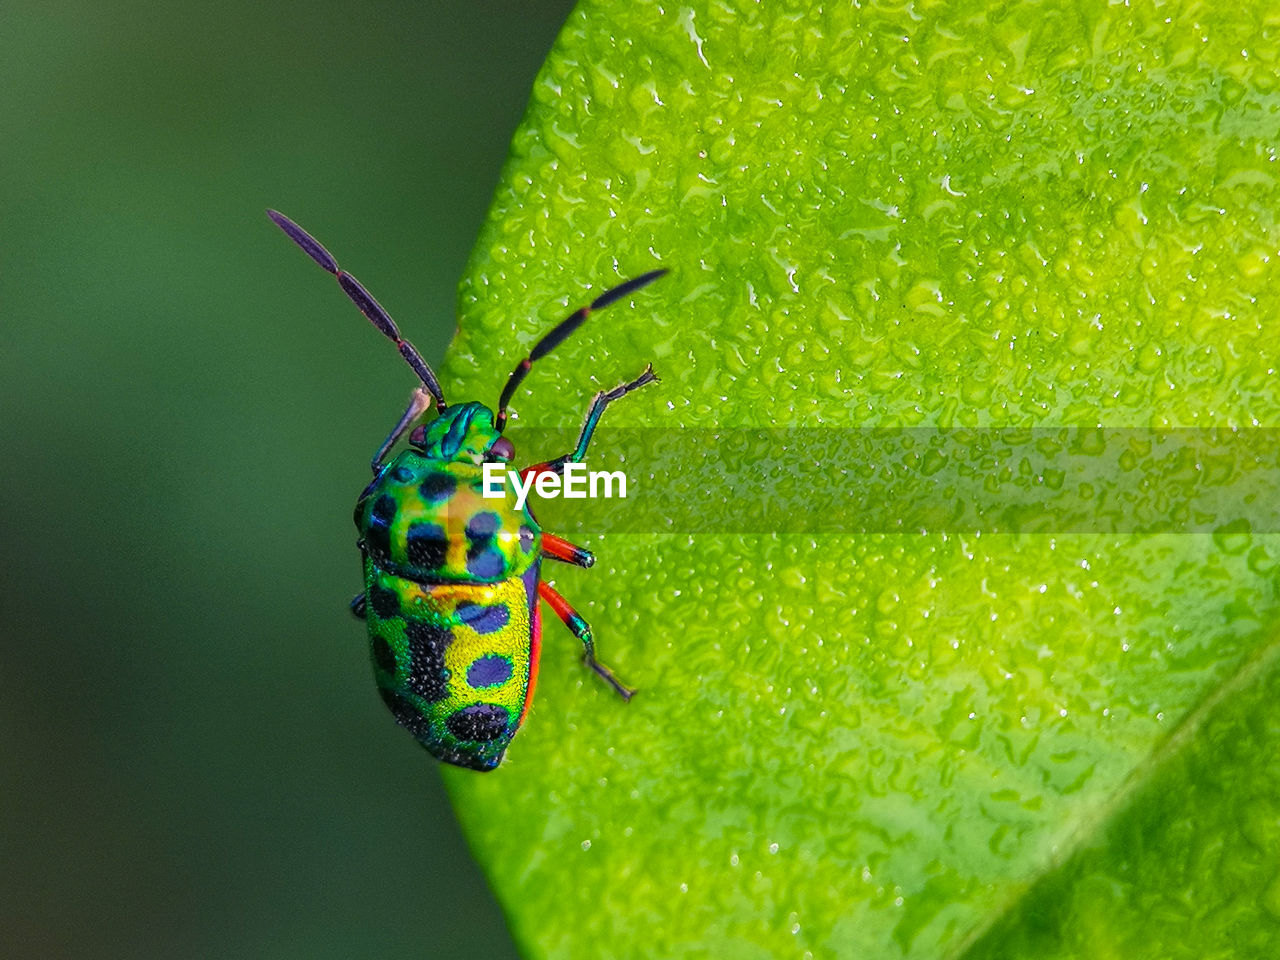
[453,660]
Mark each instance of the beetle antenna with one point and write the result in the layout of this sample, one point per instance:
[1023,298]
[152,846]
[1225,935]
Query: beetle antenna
[368,306]
[560,333]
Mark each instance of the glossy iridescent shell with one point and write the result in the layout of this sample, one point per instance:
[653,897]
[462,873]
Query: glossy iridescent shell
[451,593]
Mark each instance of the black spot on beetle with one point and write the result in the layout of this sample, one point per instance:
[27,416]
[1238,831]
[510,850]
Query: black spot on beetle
[427,644]
[438,487]
[491,670]
[383,655]
[526,539]
[377,536]
[484,618]
[479,722]
[385,603]
[483,526]
[484,559]
[427,545]
[472,759]
[486,564]
[406,714]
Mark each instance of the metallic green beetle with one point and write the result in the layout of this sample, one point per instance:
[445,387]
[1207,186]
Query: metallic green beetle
[452,579]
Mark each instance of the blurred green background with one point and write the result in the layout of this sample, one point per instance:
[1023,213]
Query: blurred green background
[195,760]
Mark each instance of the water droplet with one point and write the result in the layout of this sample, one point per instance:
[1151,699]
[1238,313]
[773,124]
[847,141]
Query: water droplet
[1233,538]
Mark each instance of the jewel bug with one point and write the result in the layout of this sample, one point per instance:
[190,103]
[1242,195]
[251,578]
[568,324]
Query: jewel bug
[451,579]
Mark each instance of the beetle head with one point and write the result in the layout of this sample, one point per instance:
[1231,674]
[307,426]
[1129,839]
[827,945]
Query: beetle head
[463,433]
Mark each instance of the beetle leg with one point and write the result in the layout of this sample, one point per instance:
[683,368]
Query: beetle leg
[357,606]
[582,630]
[550,340]
[419,401]
[602,400]
[598,403]
[560,549]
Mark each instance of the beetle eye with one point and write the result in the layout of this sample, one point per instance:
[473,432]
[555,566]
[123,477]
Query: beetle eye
[502,450]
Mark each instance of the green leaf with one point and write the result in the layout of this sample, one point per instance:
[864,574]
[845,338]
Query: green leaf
[936,742]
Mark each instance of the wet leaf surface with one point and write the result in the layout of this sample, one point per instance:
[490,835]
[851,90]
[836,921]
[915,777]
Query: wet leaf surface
[928,743]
